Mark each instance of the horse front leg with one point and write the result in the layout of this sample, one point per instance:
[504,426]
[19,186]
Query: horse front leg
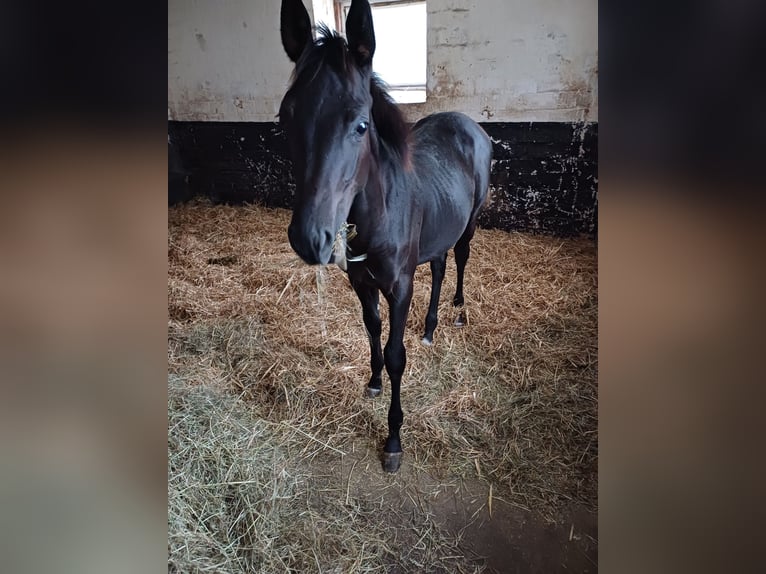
[395,356]
[369,298]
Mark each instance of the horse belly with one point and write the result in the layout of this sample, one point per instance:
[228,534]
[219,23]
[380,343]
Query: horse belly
[452,158]
[443,224]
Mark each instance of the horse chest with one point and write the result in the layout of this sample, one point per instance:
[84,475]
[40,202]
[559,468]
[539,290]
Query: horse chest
[382,274]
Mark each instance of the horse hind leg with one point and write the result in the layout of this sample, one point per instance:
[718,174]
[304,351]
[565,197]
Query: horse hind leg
[438,269]
[463,246]
[462,252]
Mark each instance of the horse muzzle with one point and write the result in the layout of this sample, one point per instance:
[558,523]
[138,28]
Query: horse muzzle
[314,246]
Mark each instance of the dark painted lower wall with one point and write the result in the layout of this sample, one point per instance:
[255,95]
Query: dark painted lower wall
[544,175]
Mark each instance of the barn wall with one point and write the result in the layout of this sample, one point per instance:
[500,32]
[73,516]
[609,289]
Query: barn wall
[225,60]
[525,69]
[495,60]
[513,60]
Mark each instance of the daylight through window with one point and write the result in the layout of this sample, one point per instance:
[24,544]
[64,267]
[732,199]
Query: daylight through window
[400,40]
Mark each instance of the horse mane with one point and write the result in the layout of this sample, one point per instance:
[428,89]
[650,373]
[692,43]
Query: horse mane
[331,49]
[389,120]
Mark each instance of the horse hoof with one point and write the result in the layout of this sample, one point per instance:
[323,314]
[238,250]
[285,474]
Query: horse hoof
[427,342]
[372,392]
[461,320]
[392,461]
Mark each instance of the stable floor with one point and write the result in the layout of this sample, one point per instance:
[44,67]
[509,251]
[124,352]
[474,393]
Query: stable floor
[274,452]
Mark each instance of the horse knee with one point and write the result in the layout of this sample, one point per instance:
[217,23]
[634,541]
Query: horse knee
[395,359]
[372,327]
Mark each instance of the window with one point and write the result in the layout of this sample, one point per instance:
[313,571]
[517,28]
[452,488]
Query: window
[400,45]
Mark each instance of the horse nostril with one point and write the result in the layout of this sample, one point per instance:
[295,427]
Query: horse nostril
[312,245]
[328,238]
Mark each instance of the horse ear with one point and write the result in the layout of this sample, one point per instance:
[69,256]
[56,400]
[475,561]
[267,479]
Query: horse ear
[360,33]
[295,26]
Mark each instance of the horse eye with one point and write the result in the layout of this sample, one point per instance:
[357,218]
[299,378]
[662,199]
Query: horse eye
[361,128]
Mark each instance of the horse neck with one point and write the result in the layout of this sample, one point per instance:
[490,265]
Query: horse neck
[370,210]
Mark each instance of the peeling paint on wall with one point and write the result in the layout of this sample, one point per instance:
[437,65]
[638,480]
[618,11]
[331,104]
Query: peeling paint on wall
[544,175]
[544,178]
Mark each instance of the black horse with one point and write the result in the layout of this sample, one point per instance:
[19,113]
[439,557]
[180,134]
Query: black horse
[372,195]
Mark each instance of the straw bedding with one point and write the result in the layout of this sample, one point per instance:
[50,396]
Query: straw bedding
[272,447]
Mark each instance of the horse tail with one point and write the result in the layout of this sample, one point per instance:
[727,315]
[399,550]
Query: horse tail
[482,170]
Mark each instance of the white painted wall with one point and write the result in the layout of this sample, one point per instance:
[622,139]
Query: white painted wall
[495,60]
[225,60]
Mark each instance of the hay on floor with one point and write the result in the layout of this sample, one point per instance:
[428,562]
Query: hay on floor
[510,399]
